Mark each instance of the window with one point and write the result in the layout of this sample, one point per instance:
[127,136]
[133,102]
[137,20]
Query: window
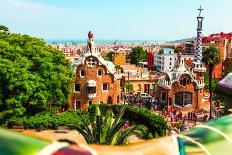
[170,63]
[118,99]
[90,102]
[105,86]
[99,73]
[181,82]
[184,81]
[163,96]
[91,62]
[78,104]
[91,90]
[170,59]
[77,87]
[82,73]
[139,85]
[183,98]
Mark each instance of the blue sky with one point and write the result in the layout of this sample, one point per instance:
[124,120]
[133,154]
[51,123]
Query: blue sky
[114,19]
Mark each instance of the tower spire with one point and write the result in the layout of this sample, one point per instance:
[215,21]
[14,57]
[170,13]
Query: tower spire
[198,50]
[200,9]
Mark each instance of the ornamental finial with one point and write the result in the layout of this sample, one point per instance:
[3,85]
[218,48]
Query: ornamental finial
[200,9]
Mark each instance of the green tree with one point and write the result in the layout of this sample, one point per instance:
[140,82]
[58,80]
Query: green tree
[106,58]
[176,50]
[3,28]
[110,55]
[33,77]
[154,68]
[138,54]
[129,87]
[227,66]
[211,57]
[117,67]
[105,129]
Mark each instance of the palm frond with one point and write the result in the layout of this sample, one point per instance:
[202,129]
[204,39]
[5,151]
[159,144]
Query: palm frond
[137,130]
[106,126]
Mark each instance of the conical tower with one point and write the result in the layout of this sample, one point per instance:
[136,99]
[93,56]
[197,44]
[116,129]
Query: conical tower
[198,66]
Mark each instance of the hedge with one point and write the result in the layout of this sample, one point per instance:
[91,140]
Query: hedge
[49,121]
[157,125]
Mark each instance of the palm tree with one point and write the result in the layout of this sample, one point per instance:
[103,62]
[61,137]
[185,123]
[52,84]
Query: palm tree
[211,57]
[100,129]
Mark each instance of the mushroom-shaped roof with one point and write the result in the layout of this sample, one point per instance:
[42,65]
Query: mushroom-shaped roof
[90,34]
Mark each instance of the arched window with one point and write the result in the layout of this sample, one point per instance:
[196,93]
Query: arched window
[183,98]
[109,100]
[184,82]
[181,82]
[82,73]
[118,99]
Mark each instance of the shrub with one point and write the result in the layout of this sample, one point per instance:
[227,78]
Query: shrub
[41,120]
[70,118]
[50,121]
[156,124]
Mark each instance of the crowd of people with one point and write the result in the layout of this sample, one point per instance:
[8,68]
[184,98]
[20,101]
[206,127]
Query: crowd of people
[182,122]
[178,120]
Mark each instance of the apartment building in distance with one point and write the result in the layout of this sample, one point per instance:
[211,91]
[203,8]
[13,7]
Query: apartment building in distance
[165,59]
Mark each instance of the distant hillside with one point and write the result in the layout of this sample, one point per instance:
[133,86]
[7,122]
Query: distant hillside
[182,40]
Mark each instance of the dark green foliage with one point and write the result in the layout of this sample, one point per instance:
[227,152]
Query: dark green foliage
[43,120]
[227,67]
[149,136]
[211,57]
[129,87]
[110,55]
[33,77]
[154,68]
[138,54]
[206,79]
[156,124]
[3,28]
[117,67]
[148,105]
[105,128]
[105,58]
[176,50]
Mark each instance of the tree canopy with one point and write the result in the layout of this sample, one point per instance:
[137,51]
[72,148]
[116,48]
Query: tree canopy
[110,55]
[33,76]
[211,57]
[227,66]
[3,28]
[138,54]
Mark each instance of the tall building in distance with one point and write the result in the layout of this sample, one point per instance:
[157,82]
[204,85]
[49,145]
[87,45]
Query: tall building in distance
[182,88]
[96,81]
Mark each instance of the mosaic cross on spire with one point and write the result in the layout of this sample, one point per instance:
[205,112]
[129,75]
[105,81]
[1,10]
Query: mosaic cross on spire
[200,9]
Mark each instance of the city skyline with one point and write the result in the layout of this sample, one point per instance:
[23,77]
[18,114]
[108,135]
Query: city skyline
[130,20]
